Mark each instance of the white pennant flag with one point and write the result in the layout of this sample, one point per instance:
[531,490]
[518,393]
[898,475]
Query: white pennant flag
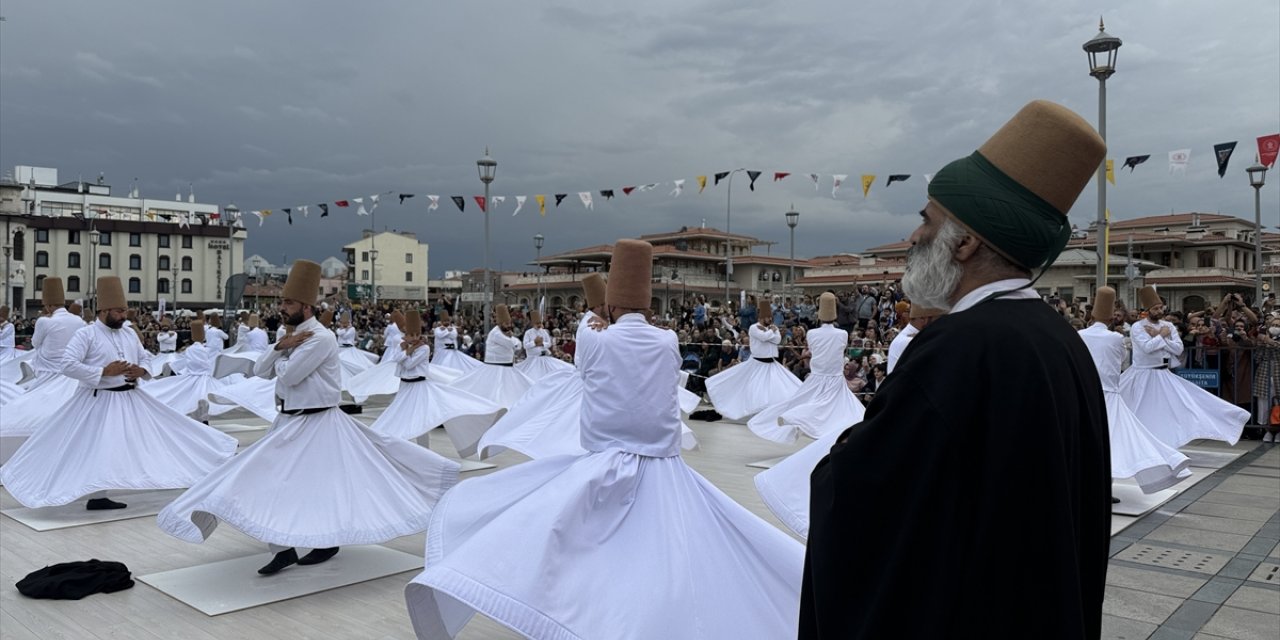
[585,197]
[435,203]
[814,177]
[1178,160]
[675,193]
[303,209]
[373,199]
[261,218]
[647,187]
[519,204]
[494,201]
[360,202]
[837,180]
[928,177]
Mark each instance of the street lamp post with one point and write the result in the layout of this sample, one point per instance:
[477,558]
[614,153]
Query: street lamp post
[1108,46]
[728,240]
[8,277]
[793,219]
[373,277]
[1257,177]
[537,245]
[487,168]
[94,239]
[175,286]
[257,281]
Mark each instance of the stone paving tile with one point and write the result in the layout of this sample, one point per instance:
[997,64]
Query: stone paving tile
[1240,499]
[1267,573]
[1265,472]
[1240,567]
[1217,590]
[1275,551]
[1244,484]
[1199,538]
[1219,510]
[1243,624]
[1139,605]
[1190,617]
[1153,581]
[1169,557]
[1256,599]
[1205,636]
[1215,523]
[1116,628]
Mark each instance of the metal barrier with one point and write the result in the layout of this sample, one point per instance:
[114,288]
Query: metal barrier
[1246,375]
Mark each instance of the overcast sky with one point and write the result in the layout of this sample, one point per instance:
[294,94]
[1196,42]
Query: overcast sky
[277,104]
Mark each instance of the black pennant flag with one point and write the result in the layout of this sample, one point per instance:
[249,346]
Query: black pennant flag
[1222,151]
[897,177]
[607,194]
[560,197]
[753,175]
[460,201]
[324,210]
[405,196]
[288,213]
[1133,161]
[721,176]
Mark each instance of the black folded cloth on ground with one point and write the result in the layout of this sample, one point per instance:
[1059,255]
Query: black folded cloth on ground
[75,580]
[706,415]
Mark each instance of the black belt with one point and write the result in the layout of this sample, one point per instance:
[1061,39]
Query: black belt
[417,379]
[766,359]
[450,346]
[502,364]
[303,412]
[345,346]
[128,386]
[169,351]
[1163,366]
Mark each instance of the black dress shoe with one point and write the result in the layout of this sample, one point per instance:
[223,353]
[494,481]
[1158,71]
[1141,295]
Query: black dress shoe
[102,504]
[316,556]
[1115,500]
[283,559]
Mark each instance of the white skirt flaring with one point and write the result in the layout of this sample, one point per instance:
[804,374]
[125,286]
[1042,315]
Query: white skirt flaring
[114,440]
[354,361]
[454,359]
[499,384]
[9,392]
[689,400]
[822,404]
[258,395]
[1176,411]
[605,545]
[24,415]
[188,394]
[785,487]
[158,362]
[422,406]
[546,421]
[383,379]
[316,480]
[33,379]
[539,366]
[1137,454]
[742,390]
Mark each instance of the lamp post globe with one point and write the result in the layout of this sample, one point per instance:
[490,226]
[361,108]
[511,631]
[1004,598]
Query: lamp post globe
[793,219]
[1102,50]
[487,167]
[1257,178]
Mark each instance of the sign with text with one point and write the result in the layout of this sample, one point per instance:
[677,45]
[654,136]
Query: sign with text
[1203,378]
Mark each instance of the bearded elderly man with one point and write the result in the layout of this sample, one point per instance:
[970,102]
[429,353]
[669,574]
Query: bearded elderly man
[976,492]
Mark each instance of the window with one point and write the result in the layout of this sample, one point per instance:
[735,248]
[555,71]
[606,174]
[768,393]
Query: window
[73,284]
[135,239]
[186,242]
[364,274]
[73,260]
[104,261]
[186,263]
[135,285]
[42,258]
[1205,259]
[42,235]
[135,262]
[19,246]
[73,236]
[162,286]
[164,240]
[164,263]
[408,276]
[40,283]
[408,258]
[364,256]
[186,285]
[104,238]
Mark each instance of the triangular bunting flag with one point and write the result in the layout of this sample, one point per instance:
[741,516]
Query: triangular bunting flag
[302,208]
[1178,160]
[585,197]
[405,196]
[480,202]
[649,187]
[720,176]
[702,183]
[1111,171]
[519,205]
[778,175]
[151,214]
[679,189]
[542,204]
[435,202]
[261,218]
[837,180]
[815,177]
[342,203]
[1268,149]
[460,202]
[1133,161]
[560,198]
[324,209]
[897,177]
[288,213]
[626,191]
[928,177]
[607,194]
[753,175]
[1222,151]
[360,211]
[184,220]
[373,200]
[496,200]
[867,179]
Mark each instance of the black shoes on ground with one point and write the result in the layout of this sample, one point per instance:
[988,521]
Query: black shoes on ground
[102,504]
[290,556]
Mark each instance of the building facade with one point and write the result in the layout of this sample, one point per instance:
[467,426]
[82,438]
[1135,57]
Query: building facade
[391,265]
[179,251]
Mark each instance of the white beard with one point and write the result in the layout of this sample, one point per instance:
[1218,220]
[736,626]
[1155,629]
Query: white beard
[932,273]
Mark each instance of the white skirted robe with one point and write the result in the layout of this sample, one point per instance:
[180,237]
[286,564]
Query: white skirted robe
[742,390]
[497,380]
[188,393]
[446,352]
[823,402]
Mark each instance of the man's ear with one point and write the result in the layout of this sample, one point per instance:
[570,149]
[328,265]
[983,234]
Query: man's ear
[968,247]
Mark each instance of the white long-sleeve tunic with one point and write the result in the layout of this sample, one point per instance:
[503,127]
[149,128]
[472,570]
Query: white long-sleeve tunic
[1150,352]
[307,376]
[764,341]
[500,348]
[93,347]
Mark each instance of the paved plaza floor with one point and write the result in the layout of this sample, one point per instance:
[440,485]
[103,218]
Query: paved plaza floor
[1204,565]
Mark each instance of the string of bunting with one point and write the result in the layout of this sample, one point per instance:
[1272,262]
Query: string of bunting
[1179,160]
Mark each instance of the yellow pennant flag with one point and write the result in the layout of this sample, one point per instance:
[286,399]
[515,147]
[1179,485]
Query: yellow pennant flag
[542,204]
[151,214]
[1111,171]
[702,183]
[867,179]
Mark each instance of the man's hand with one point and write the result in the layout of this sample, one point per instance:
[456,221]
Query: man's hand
[412,345]
[291,341]
[1151,331]
[537,341]
[134,372]
[597,324]
[1164,331]
[117,368]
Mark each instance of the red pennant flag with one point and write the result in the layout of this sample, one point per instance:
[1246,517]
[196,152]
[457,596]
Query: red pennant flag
[628,190]
[342,203]
[1268,149]
[480,201]
[778,175]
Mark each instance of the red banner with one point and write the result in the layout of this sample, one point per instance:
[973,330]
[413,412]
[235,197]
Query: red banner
[480,201]
[1268,148]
